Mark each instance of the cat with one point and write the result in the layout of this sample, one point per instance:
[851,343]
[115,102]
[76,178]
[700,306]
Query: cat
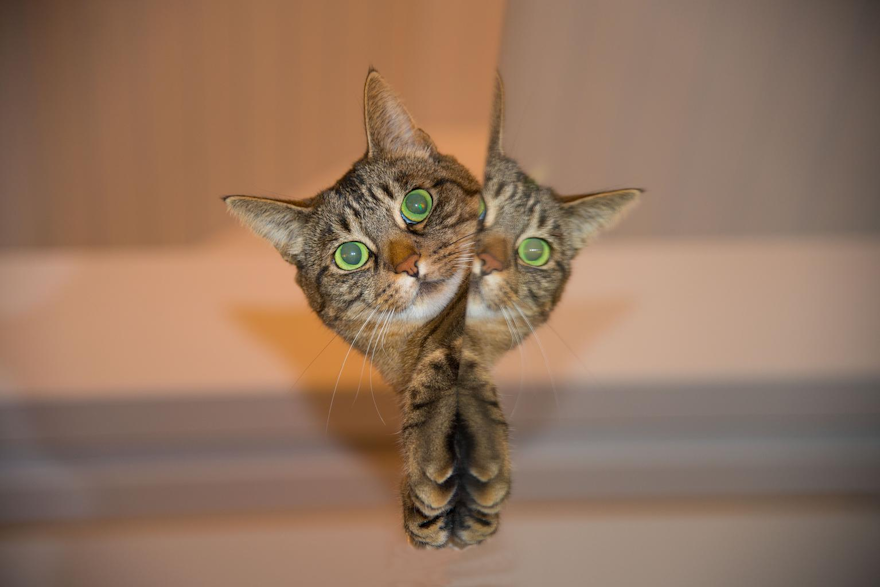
[384,257]
[529,236]
[388,247]
[464,466]
[467,454]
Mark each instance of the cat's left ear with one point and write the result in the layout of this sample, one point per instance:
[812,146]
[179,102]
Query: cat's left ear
[281,222]
[590,214]
[391,131]
[496,126]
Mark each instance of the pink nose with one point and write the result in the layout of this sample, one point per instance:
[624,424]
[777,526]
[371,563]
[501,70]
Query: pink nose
[490,263]
[409,266]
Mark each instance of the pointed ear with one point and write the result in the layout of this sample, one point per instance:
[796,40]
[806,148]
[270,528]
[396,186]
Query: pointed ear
[590,214]
[390,129]
[281,222]
[497,123]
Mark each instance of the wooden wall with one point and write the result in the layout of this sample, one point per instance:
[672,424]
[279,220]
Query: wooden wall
[740,118]
[123,122]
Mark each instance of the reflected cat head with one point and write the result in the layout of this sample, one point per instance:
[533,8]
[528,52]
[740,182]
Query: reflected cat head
[529,237]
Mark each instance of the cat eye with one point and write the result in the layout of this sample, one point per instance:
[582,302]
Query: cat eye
[351,255]
[534,251]
[416,206]
[482,214]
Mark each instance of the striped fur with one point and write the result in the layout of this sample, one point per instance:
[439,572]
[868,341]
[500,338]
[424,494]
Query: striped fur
[506,305]
[440,331]
[418,322]
[365,206]
[456,464]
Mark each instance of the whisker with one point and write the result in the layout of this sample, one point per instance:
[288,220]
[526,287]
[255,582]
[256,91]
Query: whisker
[441,247]
[366,353]
[546,363]
[372,394]
[462,247]
[574,354]
[384,334]
[312,362]
[339,376]
[516,339]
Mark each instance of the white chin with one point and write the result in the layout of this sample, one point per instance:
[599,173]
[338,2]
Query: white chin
[426,307]
[477,310]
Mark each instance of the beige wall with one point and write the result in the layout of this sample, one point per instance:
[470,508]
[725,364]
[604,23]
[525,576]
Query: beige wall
[740,118]
[122,122]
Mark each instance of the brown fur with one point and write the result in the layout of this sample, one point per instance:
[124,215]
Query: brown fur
[394,301]
[506,305]
[439,326]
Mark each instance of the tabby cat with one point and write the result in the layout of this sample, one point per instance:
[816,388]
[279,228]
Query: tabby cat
[384,257]
[529,237]
[389,246]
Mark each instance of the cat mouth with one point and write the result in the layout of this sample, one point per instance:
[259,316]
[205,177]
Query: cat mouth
[427,288]
[430,297]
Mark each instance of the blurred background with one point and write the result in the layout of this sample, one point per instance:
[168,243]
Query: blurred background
[164,387]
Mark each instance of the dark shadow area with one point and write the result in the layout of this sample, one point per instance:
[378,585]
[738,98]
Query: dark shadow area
[317,361]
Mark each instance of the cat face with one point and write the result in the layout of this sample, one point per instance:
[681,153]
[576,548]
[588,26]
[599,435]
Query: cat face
[393,238]
[529,237]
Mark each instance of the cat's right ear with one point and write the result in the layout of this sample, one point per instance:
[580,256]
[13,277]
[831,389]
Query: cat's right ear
[281,222]
[496,129]
[590,214]
[390,129]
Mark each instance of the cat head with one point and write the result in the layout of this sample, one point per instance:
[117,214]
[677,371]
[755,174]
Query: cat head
[529,237]
[392,237]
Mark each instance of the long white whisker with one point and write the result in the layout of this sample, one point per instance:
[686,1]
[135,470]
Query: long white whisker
[366,353]
[516,338]
[384,333]
[372,394]
[546,363]
[571,350]
[339,376]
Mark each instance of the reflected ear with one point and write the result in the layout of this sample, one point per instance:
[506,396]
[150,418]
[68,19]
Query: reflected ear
[590,214]
[390,129]
[281,222]
[496,128]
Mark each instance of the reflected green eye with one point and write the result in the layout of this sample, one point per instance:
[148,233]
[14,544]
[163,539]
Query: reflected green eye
[351,255]
[534,251]
[416,206]
[482,213]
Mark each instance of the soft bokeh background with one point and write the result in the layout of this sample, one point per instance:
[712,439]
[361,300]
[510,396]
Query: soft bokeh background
[164,388]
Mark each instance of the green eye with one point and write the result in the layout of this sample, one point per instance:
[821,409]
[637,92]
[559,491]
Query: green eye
[351,255]
[482,213]
[416,206]
[534,251]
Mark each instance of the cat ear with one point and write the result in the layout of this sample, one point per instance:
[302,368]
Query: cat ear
[590,214]
[281,222]
[497,123]
[390,129]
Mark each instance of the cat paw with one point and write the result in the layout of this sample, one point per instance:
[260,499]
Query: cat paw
[465,523]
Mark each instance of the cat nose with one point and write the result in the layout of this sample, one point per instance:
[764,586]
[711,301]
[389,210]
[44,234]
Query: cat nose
[490,263]
[410,266]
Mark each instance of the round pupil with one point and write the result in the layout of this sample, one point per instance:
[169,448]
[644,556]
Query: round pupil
[417,203]
[350,253]
[533,250]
